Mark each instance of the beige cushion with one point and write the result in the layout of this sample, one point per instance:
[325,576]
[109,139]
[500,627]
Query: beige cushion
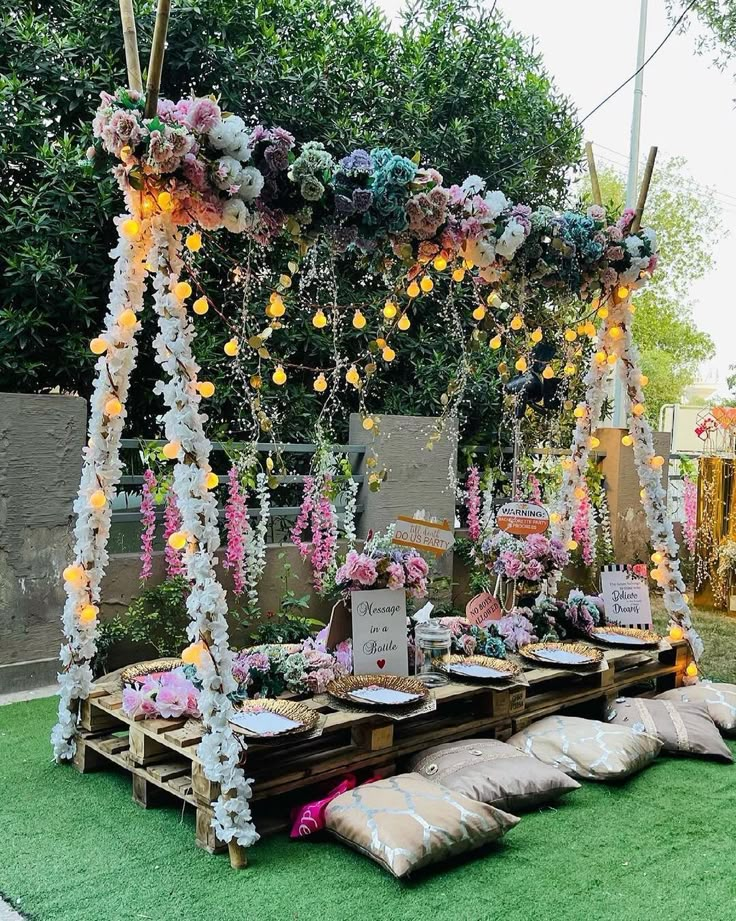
[407,822]
[492,772]
[588,749]
[719,698]
[682,727]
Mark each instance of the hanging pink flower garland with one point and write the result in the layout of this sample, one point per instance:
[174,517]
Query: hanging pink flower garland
[148,520]
[472,502]
[236,525]
[318,514]
[172,523]
[691,513]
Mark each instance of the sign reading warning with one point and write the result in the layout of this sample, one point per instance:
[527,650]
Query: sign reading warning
[430,536]
[523,518]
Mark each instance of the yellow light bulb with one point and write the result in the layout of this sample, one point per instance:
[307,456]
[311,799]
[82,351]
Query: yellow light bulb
[285,281]
[390,310]
[572,545]
[555,518]
[458,275]
[231,347]
[359,320]
[521,364]
[536,336]
[627,440]
[426,284]
[657,461]
[194,242]
[493,300]
[570,370]
[612,359]
[171,450]
[206,389]
[194,654]
[615,332]
[517,322]
[279,376]
[381,343]
[113,407]
[567,463]
[127,318]
[440,263]
[643,380]
[603,312]
[200,306]
[622,293]
[164,200]
[147,207]
[692,670]
[256,381]
[579,412]
[413,290]
[638,409]
[277,308]
[211,480]
[579,492]
[73,574]
[589,330]
[319,320]
[548,373]
[352,376]
[388,353]
[676,633]
[320,383]
[479,312]
[126,152]
[495,343]
[594,442]
[98,345]
[657,557]
[404,323]
[130,228]
[642,494]
[97,499]
[570,335]
[368,423]
[183,290]
[178,540]
[601,357]
[88,613]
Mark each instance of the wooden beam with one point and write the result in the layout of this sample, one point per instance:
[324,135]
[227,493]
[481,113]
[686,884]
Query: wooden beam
[156,60]
[644,190]
[594,185]
[130,41]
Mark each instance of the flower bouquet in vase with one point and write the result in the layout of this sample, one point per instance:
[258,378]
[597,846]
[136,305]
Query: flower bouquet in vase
[522,566]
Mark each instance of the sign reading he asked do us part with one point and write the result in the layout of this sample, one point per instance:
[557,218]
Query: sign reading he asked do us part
[430,536]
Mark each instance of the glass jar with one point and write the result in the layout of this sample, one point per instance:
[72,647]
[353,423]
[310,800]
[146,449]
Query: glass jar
[432,649]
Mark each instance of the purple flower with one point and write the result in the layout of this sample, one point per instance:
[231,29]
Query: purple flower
[533,571]
[362,200]
[344,205]
[516,630]
[277,158]
[357,163]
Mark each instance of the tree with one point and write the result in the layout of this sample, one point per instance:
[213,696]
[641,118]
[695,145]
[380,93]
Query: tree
[717,33]
[685,218]
[454,83]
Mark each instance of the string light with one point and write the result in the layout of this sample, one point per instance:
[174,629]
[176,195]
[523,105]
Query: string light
[164,200]
[231,347]
[692,670]
[517,322]
[194,654]
[440,263]
[643,380]
[521,364]
[572,545]
[536,336]
[570,335]
[178,540]
[171,450]
[130,228]
[638,409]
[88,613]
[73,574]
[279,376]
[479,312]
[359,319]
[113,407]
[404,323]
[548,373]
[603,313]
[212,480]
[615,332]
[194,242]
[676,633]
[352,376]
[98,345]
[495,343]
[206,389]
[127,318]
[319,320]
[657,557]
[570,370]
[183,290]
[368,423]
[567,463]
[147,207]
[622,293]
[458,275]
[388,353]
[594,442]
[627,441]
[426,284]
[97,499]
[278,308]
[320,383]
[555,518]
[413,290]
[285,281]
[612,359]
[579,411]
[200,306]
[390,310]
[657,461]
[579,492]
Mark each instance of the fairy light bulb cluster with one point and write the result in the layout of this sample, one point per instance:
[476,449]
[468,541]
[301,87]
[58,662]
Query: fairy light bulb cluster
[495,342]
[676,633]
[426,284]
[277,308]
[627,441]
[212,480]
[74,575]
[88,613]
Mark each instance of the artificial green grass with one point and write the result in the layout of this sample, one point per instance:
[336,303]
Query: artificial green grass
[76,848]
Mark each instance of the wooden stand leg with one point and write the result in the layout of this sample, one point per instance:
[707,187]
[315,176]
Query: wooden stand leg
[238,860]
[86,759]
[144,793]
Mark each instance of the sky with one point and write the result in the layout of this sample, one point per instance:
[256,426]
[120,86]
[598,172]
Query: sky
[688,110]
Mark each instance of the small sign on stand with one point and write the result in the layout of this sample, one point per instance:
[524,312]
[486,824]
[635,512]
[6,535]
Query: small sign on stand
[430,536]
[482,609]
[522,518]
[626,596]
[379,632]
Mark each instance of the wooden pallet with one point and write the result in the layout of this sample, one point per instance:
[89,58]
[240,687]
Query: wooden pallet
[161,755]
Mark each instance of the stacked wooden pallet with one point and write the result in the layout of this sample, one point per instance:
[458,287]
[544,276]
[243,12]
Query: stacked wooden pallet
[161,755]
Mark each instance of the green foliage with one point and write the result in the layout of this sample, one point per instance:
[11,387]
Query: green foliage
[454,82]
[715,29]
[686,220]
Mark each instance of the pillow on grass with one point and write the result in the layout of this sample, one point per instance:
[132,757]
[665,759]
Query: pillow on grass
[407,822]
[588,749]
[683,727]
[719,698]
[492,772]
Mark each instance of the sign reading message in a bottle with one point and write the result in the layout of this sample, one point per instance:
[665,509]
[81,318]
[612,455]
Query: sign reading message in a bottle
[380,646]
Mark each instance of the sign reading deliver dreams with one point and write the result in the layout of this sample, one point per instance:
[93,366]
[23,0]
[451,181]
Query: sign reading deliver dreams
[625,598]
[380,646]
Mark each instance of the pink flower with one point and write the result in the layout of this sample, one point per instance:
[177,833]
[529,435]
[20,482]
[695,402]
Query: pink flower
[691,513]
[468,644]
[512,566]
[148,519]
[195,171]
[237,528]
[416,568]
[533,571]
[132,701]
[395,574]
[171,702]
[364,570]
[203,115]
[172,522]
[166,110]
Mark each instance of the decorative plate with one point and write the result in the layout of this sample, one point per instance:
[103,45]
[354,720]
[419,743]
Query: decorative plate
[564,655]
[280,718]
[357,689]
[480,668]
[141,670]
[626,636]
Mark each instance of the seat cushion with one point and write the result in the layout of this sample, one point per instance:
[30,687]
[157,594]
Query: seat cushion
[719,698]
[492,772]
[407,822]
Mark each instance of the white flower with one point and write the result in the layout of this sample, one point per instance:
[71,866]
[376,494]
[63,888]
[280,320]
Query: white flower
[234,215]
[497,203]
[227,135]
[481,252]
[473,185]
[226,173]
[651,235]
[251,183]
[633,244]
[510,240]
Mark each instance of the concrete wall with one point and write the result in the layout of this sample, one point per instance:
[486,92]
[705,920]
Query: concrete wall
[40,463]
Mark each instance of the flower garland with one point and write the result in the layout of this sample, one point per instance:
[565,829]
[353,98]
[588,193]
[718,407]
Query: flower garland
[219,751]
[472,502]
[317,512]
[690,502]
[348,518]
[255,540]
[101,472]
[148,520]
[172,524]
[583,528]
[237,527]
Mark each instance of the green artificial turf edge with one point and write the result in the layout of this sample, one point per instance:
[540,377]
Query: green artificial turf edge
[76,848]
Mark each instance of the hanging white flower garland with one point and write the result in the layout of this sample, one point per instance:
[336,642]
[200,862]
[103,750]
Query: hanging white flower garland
[256,540]
[101,472]
[219,751]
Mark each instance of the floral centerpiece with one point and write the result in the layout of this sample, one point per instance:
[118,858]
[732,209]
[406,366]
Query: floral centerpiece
[169,695]
[527,563]
[473,640]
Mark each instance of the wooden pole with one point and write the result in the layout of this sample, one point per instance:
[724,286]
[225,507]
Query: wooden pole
[130,40]
[156,60]
[594,185]
[644,190]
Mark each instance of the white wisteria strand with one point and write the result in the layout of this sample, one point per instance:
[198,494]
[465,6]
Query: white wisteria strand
[101,471]
[348,515]
[219,751]
[256,540]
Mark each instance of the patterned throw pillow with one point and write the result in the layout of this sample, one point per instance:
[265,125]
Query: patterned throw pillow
[588,749]
[492,772]
[719,698]
[682,727]
[407,822]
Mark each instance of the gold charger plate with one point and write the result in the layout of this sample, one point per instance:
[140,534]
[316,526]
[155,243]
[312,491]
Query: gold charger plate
[562,655]
[153,667]
[507,670]
[344,688]
[290,709]
[630,637]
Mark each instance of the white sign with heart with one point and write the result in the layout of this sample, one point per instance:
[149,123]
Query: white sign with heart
[380,645]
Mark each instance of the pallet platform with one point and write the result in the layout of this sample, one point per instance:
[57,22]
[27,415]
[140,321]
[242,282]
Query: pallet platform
[161,755]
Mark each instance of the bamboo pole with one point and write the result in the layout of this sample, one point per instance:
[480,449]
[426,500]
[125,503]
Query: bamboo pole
[594,184]
[644,190]
[156,60]
[130,41]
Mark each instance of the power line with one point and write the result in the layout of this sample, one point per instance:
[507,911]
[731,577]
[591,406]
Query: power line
[610,96]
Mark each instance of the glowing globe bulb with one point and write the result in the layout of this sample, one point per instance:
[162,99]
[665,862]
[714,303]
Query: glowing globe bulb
[194,242]
[388,353]
[88,614]
[404,323]
[200,306]
[495,343]
[206,389]
[147,207]
[692,670]
[178,540]
[612,359]
[73,574]
[426,284]
[517,322]
[98,345]
[570,370]
[413,290]
[570,335]
[320,383]
[171,450]
[479,312]
[594,442]
[285,280]
[352,376]
[567,463]
[622,293]
[548,373]
[194,654]
[359,320]
[368,423]
[521,364]
[113,407]
[127,318]
[657,557]
[676,633]
[319,320]
[458,275]
[657,461]
[603,312]
[627,441]
[183,290]
[390,310]
[164,200]
[579,492]
[579,412]
[231,347]
[555,518]
[440,263]
[601,357]
[211,480]
[643,380]
[130,228]
[638,409]
[279,376]
[572,545]
[536,336]
[278,308]
[615,332]
[97,499]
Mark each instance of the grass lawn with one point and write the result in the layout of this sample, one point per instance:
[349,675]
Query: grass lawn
[658,848]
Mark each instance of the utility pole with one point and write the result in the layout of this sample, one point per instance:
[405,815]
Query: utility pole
[632,182]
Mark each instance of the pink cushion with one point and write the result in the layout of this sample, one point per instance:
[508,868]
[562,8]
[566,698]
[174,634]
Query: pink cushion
[310,817]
